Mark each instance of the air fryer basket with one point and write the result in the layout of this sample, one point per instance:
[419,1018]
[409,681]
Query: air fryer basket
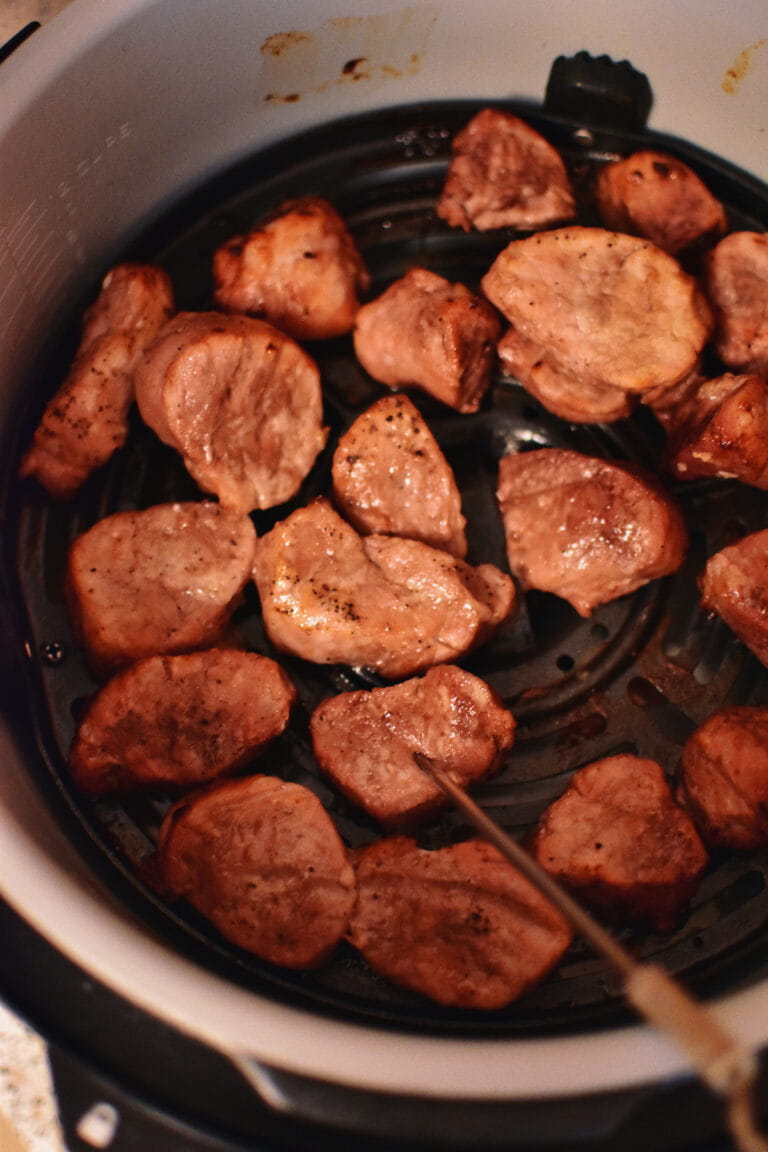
[636,677]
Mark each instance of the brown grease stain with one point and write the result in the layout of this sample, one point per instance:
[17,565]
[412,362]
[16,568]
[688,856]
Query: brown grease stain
[283,42]
[740,67]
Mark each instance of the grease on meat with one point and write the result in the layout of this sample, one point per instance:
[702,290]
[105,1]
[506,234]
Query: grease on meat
[619,841]
[426,332]
[459,924]
[180,721]
[393,605]
[261,859]
[239,400]
[504,174]
[598,319]
[736,282]
[161,580]
[722,430]
[390,476]
[365,742]
[586,529]
[300,269]
[87,420]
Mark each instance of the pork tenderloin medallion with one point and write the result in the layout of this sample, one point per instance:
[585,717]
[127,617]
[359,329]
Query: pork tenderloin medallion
[504,174]
[722,431]
[300,269]
[261,859]
[599,316]
[724,779]
[619,841]
[586,529]
[736,283]
[459,925]
[382,602]
[390,476]
[365,742]
[179,721]
[240,402]
[734,585]
[655,195]
[86,421]
[161,580]
[425,332]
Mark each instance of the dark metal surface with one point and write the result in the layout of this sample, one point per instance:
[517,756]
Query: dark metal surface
[635,677]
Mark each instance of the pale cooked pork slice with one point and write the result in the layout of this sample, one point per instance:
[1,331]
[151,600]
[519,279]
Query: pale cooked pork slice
[423,331]
[394,605]
[300,269]
[600,309]
[390,476]
[735,586]
[365,741]
[179,721]
[655,195]
[261,859]
[586,529]
[725,778]
[87,420]
[723,431]
[619,841]
[160,580]
[239,400]
[736,282]
[459,925]
[504,174]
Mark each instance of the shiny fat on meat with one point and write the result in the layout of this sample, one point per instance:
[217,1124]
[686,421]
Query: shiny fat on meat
[722,430]
[300,269]
[382,602]
[598,308]
[239,400]
[261,859]
[736,283]
[163,579]
[425,332]
[504,174]
[459,924]
[586,529]
[365,742]
[87,419]
[619,841]
[390,476]
[179,721]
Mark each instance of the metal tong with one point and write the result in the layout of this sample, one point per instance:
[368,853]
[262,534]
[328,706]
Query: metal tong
[725,1066]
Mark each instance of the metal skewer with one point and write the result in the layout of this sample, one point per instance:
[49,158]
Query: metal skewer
[723,1063]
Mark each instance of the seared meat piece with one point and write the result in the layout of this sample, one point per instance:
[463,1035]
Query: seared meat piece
[584,528]
[735,586]
[725,778]
[179,721]
[365,741]
[425,332]
[652,194]
[239,400]
[619,841]
[390,476]
[165,579]
[723,432]
[459,925]
[736,282]
[596,313]
[261,859]
[300,269]
[87,419]
[504,174]
[394,605]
